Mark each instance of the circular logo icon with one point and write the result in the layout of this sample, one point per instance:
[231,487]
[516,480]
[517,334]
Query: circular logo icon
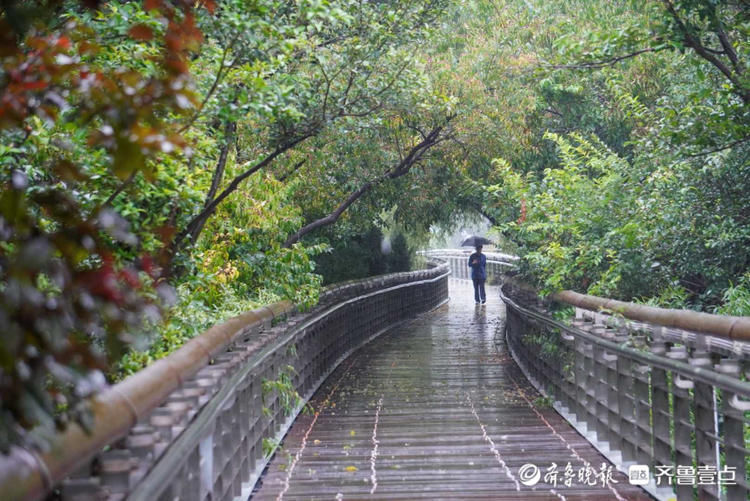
[529,474]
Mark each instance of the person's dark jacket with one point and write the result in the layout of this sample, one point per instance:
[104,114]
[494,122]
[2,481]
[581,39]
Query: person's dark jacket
[478,271]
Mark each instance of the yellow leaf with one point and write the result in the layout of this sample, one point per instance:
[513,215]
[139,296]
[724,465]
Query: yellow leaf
[351,468]
[352,433]
[316,441]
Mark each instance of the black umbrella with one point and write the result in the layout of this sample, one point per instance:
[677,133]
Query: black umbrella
[473,241]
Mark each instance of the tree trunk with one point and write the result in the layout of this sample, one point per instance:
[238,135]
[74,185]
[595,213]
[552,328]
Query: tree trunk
[209,209]
[229,136]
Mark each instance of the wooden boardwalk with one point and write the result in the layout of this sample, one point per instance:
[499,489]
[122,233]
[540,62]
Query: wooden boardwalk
[435,409]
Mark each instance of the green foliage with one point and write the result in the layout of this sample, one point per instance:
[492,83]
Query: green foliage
[399,259]
[593,224]
[548,345]
[68,299]
[564,314]
[352,257]
[607,144]
[133,140]
[736,300]
[579,227]
[284,391]
[543,402]
[363,255]
[196,310]
[242,245]
[269,446]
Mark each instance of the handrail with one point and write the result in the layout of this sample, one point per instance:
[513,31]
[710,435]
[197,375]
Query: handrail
[29,475]
[700,374]
[466,252]
[735,328]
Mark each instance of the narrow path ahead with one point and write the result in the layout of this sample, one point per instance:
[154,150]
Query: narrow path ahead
[436,409]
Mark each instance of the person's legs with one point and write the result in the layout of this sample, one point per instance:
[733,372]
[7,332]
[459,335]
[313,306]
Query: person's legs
[482,294]
[476,290]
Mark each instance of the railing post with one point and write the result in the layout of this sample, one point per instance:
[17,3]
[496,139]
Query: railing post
[682,425]
[706,426]
[613,402]
[206,462]
[660,398]
[580,381]
[567,372]
[622,417]
[626,405]
[115,467]
[733,434]
[590,385]
[600,403]
[642,385]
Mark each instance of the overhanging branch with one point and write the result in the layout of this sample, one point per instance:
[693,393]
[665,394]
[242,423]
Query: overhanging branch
[402,168]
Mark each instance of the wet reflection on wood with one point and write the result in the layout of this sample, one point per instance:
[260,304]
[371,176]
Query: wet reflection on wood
[433,409]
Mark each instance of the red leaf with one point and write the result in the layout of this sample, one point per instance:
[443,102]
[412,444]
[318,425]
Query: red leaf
[152,4]
[87,48]
[147,265]
[68,171]
[130,277]
[210,5]
[523,212]
[141,32]
[63,42]
[37,85]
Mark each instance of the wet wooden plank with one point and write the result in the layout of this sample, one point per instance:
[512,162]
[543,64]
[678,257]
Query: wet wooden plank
[434,409]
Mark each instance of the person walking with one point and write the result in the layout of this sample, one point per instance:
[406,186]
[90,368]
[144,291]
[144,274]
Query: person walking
[478,264]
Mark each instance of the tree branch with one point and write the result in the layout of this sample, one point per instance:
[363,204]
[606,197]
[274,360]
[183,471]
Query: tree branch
[291,172]
[333,216]
[217,79]
[721,148]
[218,176]
[605,62]
[698,47]
[400,169]
[119,189]
[209,209]
[726,44]
[482,212]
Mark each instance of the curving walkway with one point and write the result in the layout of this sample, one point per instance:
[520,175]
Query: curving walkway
[435,409]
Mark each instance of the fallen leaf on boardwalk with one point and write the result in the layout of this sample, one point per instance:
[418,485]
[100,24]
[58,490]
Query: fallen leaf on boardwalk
[352,433]
[351,468]
[316,441]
